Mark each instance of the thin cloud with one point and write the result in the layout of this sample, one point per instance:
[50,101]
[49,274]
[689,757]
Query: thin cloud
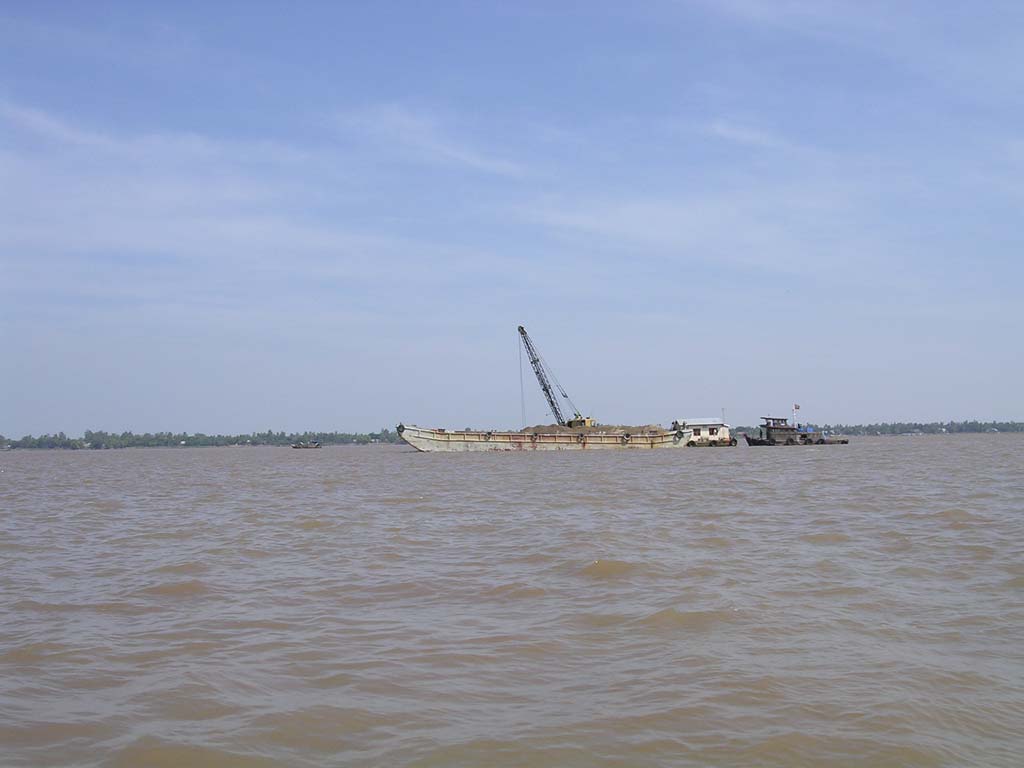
[423,137]
[800,226]
[817,18]
[46,126]
[217,223]
[742,134]
[914,36]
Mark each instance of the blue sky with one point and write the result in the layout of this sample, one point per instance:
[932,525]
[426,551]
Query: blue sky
[227,217]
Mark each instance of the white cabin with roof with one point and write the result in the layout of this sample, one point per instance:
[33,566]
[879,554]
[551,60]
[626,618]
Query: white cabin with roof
[704,432]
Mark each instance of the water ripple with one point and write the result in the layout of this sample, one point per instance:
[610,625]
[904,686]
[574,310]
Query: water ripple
[843,606]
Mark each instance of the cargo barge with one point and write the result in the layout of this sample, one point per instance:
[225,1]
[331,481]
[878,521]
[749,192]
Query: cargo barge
[556,438]
[575,433]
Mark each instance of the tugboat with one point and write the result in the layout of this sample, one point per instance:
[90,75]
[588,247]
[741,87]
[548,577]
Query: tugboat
[777,430]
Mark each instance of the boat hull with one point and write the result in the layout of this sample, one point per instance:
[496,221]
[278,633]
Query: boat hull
[757,441]
[444,441]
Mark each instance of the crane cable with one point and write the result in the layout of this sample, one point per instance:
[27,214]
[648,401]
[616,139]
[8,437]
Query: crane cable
[522,391]
[558,384]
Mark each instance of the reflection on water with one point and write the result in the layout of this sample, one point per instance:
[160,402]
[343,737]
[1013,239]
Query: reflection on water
[832,605]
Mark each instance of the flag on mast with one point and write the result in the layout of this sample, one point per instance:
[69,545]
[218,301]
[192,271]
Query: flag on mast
[796,407]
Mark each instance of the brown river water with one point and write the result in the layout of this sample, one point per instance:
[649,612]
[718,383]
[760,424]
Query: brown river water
[857,605]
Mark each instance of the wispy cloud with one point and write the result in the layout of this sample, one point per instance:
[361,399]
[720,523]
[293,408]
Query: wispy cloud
[744,134]
[96,214]
[781,233]
[425,138]
[911,36]
[819,18]
[46,126]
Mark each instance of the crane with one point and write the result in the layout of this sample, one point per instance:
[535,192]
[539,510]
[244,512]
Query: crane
[544,377]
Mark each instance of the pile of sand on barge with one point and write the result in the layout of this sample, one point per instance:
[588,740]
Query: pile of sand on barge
[597,429]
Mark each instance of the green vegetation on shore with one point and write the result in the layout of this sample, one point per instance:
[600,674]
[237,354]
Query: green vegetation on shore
[100,440]
[915,428]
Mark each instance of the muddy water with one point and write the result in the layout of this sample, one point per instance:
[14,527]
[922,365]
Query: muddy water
[832,605]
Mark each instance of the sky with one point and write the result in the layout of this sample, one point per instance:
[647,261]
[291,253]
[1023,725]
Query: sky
[232,217]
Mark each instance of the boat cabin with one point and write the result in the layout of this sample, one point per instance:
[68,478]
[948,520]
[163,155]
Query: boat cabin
[705,432]
[778,430]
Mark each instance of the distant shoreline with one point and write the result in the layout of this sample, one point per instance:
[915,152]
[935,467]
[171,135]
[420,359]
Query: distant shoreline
[107,440]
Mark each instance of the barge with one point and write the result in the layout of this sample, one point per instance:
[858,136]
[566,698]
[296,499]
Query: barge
[575,433]
[575,438]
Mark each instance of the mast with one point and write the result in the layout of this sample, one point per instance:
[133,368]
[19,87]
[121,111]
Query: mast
[542,376]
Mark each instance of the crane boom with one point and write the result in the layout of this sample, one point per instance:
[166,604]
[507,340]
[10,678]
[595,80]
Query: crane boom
[542,376]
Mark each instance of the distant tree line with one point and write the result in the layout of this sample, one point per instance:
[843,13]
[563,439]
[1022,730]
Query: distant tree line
[914,427]
[101,440]
[104,440]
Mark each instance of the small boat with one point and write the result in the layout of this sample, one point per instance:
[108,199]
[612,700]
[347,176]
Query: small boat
[777,430]
[302,444]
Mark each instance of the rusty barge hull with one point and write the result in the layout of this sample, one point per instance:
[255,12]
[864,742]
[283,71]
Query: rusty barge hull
[445,441]
[812,440]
